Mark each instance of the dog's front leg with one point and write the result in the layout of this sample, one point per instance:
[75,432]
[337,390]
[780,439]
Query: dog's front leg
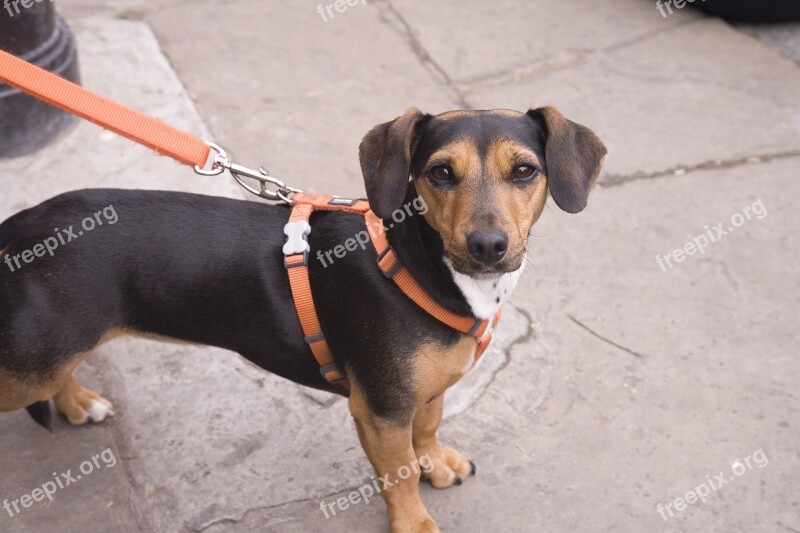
[450,466]
[388,445]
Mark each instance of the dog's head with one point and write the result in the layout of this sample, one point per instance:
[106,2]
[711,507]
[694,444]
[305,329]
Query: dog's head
[483,175]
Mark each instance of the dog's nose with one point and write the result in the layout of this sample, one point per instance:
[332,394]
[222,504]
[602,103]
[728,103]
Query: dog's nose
[487,245]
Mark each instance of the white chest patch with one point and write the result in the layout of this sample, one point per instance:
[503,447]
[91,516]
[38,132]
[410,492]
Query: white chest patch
[486,296]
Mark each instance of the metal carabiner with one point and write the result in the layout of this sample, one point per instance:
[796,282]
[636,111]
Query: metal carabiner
[221,163]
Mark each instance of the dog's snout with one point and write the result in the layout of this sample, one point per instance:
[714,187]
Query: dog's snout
[487,245]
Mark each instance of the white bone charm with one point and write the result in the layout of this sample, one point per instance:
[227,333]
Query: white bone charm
[296,233]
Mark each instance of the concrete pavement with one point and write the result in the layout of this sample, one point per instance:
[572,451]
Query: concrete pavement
[615,385]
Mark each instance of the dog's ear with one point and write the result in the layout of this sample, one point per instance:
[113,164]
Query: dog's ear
[573,157]
[385,154]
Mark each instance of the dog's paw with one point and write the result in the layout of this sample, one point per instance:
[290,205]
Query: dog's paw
[81,406]
[93,412]
[99,410]
[450,467]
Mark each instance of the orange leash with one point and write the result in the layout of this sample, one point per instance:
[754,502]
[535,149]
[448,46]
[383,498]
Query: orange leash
[74,99]
[138,127]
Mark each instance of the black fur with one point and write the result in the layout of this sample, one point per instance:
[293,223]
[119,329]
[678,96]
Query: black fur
[210,270]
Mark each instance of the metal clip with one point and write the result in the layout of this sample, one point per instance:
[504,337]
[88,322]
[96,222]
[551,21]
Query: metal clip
[280,192]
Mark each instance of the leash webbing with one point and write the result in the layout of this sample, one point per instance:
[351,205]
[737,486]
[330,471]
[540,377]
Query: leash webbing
[64,94]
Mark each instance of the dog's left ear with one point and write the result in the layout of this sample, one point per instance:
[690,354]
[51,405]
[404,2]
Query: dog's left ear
[385,155]
[573,156]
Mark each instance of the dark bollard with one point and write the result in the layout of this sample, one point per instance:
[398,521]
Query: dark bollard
[752,10]
[31,30]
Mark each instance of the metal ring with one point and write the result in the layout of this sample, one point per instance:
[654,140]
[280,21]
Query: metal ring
[217,167]
[287,196]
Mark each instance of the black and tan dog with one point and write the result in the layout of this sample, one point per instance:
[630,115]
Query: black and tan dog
[211,271]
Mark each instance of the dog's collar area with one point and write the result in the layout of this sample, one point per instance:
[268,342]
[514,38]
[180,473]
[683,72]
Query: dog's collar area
[296,252]
[485,296]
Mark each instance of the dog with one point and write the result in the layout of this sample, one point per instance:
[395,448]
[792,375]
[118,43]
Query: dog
[210,271]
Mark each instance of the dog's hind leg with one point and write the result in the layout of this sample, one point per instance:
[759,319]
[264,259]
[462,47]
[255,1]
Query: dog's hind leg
[80,405]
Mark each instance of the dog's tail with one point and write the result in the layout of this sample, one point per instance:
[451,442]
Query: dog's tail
[41,413]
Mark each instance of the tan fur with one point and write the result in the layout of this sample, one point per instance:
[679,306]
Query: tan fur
[69,397]
[389,447]
[462,156]
[484,197]
[450,466]
[520,207]
[447,115]
[436,369]
[74,401]
[17,392]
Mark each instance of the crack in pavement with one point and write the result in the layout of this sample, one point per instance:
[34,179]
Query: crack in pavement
[529,334]
[605,339]
[563,60]
[392,17]
[224,520]
[614,180]
[100,366]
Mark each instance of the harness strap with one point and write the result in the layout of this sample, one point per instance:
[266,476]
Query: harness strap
[393,268]
[296,252]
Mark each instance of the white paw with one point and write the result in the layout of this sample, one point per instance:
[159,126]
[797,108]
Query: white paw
[99,410]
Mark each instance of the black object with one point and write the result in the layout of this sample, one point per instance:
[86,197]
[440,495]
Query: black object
[752,10]
[38,35]
[41,413]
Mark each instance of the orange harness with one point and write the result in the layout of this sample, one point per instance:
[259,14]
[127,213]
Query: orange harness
[296,253]
[191,150]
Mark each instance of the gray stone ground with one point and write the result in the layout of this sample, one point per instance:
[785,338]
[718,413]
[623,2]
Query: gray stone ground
[614,385]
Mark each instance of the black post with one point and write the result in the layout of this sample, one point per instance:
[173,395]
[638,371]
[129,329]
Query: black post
[31,30]
[752,10]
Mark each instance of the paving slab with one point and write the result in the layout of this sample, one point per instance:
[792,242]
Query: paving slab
[287,89]
[32,458]
[111,53]
[168,488]
[634,385]
[701,93]
[714,381]
[490,43]
[614,385]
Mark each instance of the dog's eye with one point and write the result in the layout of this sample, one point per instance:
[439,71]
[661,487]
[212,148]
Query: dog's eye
[524,172]
[442,173]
